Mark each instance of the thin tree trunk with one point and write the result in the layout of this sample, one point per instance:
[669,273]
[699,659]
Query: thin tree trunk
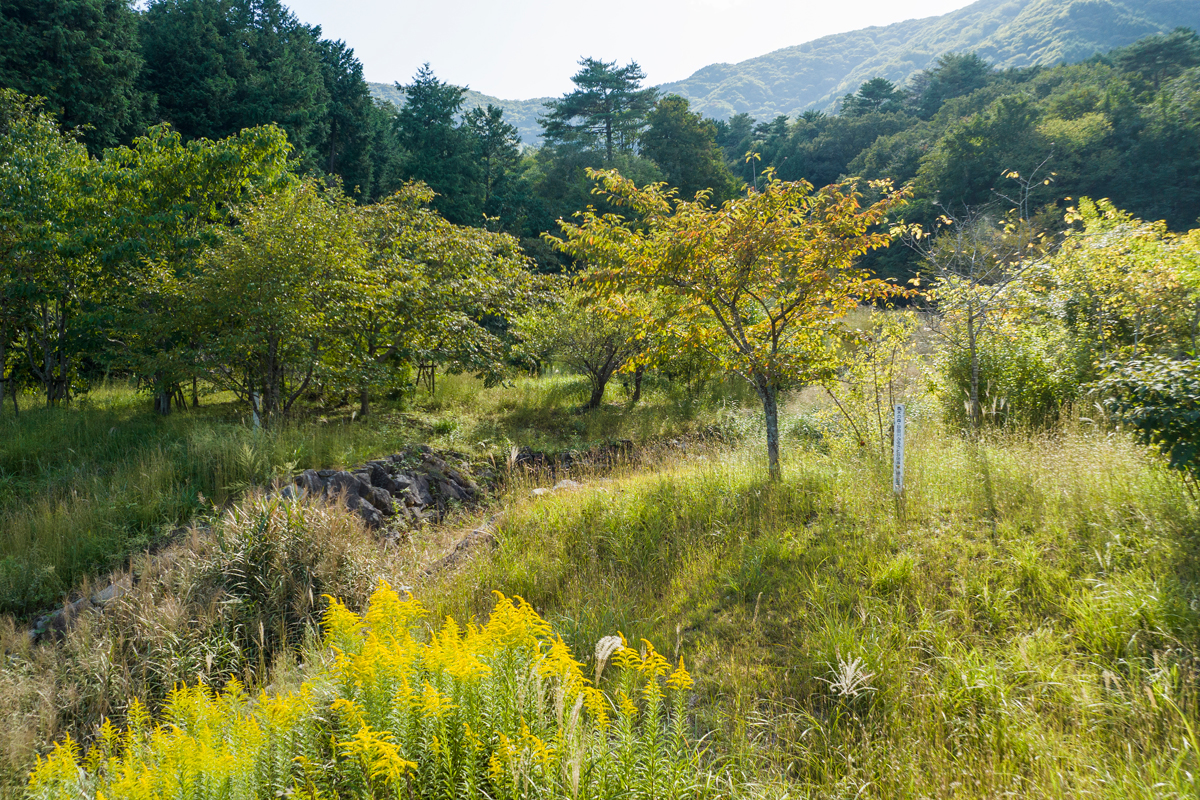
[195,393]
[364,401]
[3,355]
[637,385]
[770,400]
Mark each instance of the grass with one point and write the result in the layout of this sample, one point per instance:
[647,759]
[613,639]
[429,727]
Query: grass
[83,486]
[1030,626]
[1027,623]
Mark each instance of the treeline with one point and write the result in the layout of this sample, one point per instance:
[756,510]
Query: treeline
[1125,126]
[215,263]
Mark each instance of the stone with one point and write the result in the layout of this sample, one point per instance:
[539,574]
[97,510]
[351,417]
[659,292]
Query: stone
[369,513]
[310,481]
[541,491]
[567,485]
[382,500]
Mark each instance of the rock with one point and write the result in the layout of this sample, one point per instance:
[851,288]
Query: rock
[382,500]
[310,481]
[541,491]
[369,513]
[420,488]
[567,485]
[346,482]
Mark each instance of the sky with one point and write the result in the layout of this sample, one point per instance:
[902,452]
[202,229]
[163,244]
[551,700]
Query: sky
[521,49]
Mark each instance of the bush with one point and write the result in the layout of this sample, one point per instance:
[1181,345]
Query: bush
[1023,378]
[1160,398]
[498,711]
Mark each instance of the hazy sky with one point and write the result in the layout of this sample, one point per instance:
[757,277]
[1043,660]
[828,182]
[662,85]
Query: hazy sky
[518,49]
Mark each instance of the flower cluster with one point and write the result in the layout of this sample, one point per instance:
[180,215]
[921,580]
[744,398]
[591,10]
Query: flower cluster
[501,710]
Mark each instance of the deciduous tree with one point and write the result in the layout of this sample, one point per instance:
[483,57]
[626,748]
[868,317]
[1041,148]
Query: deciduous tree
[757,283]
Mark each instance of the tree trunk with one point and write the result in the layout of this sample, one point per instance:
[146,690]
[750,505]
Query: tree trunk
[3,354]
[364,401]
[637,385]
[599,382]
[770,400]
[195,393]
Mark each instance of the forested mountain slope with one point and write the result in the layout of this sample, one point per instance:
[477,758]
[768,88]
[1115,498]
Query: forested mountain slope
[1007,33]
[521,113]
[814,75]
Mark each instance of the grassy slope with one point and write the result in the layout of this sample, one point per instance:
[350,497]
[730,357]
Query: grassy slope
[1006,33]
[83,486]
[1030,627]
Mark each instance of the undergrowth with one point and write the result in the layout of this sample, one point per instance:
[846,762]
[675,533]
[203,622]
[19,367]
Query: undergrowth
[85,485]
[498,711]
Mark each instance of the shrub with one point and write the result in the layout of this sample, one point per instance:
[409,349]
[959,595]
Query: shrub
[1023,379]
[1160,398]
[499,711]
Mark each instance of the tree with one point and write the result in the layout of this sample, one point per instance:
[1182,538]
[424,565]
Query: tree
[265,293]
[440,152]
[878,95]
[218,66]
[83,57]
[684,145]
[758,283]
[428,294]
[954,75]
[584,337]
[348,142]
[49,204]
[167,200]
[979,260]
[497,145]
[605,112]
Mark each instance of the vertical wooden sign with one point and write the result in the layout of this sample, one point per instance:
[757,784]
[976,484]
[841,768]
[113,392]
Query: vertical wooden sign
[898,450]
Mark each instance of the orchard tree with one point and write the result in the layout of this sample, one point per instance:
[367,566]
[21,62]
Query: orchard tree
[758,283]
[428,294]
[267,294]
[50,205]
[167,200]
[576,332]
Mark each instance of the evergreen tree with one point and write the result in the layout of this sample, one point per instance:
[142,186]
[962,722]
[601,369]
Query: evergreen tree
[440,152]
[83,57]
[606,111]
[878,95]
[684,145]
[218,66]
[497,147]
[349,140]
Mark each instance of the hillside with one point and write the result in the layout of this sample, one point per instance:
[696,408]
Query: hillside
[522,113]
[1008,33]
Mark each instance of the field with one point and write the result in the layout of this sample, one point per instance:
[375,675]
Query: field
[1024,624]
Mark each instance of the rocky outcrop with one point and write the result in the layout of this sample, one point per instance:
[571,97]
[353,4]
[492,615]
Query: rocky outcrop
[410,487]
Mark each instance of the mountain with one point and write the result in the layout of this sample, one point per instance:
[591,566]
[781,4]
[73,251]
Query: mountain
[522,113]
[1008,33]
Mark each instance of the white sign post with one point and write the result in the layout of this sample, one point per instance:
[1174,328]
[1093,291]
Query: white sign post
[898,451]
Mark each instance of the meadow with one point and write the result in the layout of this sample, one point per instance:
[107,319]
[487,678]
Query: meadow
[85,485]
[1024,623]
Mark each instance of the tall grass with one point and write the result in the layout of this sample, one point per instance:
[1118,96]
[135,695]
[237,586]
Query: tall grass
[83,486]
[1027,626]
